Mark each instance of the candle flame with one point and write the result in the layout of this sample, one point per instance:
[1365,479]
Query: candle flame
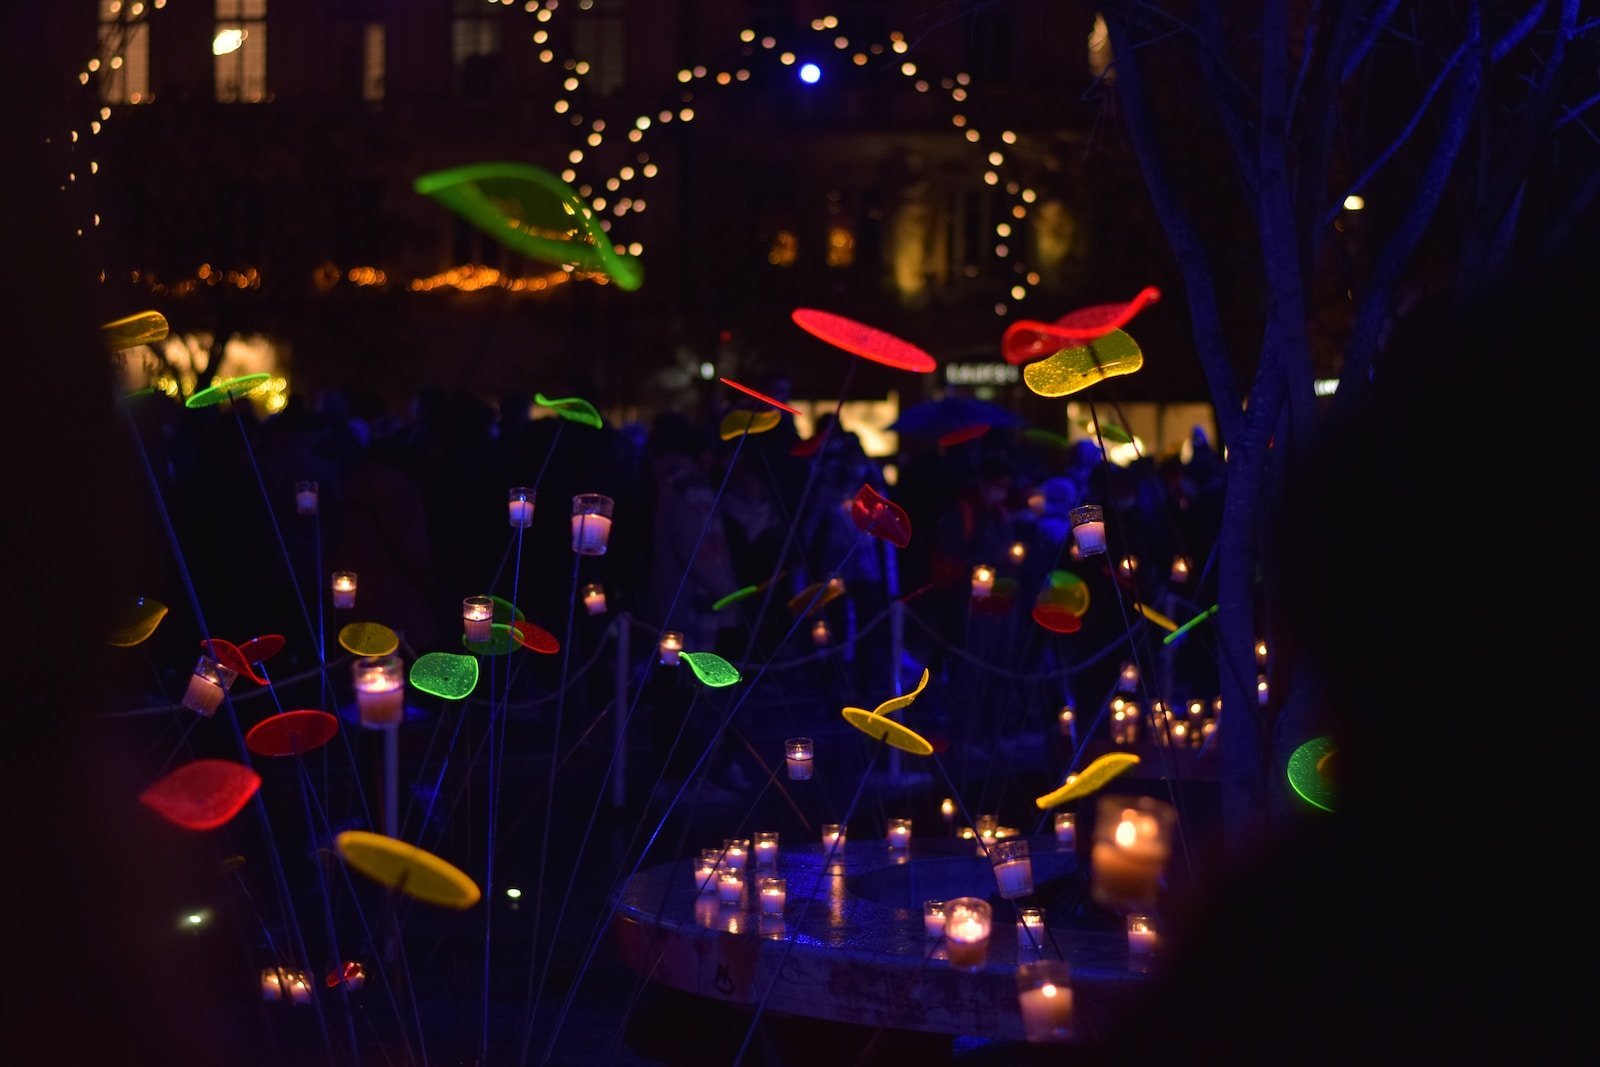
[1126,833]
[1048,989]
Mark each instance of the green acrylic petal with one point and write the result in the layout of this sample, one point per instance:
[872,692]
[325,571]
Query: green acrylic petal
[736,596]
[505,611]
[445,674]
[1110,431]
[1305,773]
[711,668]
[1191,624]
[501,641]
[228,389]
[1047,437]
[571,408]
[533,213]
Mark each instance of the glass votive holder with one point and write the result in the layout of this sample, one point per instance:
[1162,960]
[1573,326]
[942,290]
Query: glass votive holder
[1128,678]
[477,617]
[833,841]
[967,922]
[1179,573]
[1066,829]
[380,683]
[344,589]
[1030,933]
[736,853]
[706,869]
[591,523]
[1132,840]
[899,834]
[1018,551]
[305,498]
[1144,939]
[1088,529]
[1067,722]
[1044,995]
[730,886]
[670,648]
[771,891]
[982,581]
[933,918]
[1261,689]
[207,684]
[519,506]
[820,634]
[766,848]
[799,753]
[1013,870]
[594,599]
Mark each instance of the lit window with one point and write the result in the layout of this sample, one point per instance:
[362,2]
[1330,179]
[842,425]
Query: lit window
[124,35]
[239,51]
[373,57]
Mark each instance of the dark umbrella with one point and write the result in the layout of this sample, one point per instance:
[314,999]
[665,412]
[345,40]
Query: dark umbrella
[939,417]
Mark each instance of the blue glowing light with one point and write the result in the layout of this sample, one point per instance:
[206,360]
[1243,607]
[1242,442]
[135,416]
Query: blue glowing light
[810,73]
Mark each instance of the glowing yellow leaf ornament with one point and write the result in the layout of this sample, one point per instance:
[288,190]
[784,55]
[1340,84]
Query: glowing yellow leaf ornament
[368,639]
[140,328]
[1073,369]
[1091,778]
[739,423]
[408,869]
[876,723]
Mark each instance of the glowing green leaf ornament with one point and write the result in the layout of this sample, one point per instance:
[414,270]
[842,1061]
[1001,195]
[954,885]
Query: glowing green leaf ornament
[445,674]
[736,596]
[533,213]
[1047,437]
[711,668]
[1109,431]
[501,641]
[505,611]
[571,408]
[1073,369]
[1309,772]
[1068,592]
[227,389]
[1191,624]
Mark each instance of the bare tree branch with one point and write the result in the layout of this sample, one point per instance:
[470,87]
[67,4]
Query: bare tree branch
[1570,114]
[1225,103]
[1308,48]
[1517,32]
[1365,45]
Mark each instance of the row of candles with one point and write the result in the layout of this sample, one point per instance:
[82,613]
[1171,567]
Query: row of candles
[591,514]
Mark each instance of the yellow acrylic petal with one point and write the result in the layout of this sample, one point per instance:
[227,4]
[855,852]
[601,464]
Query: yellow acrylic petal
[1072,369]
[368,639]
[408,869]
[1089,779]
[904,701]
[900,736]
[140,328]
[136,622]
[735,423]
[1156,617]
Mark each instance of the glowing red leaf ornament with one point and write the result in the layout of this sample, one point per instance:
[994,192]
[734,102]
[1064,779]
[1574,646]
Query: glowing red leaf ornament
[534,638]
[963,435]
[882,518]
[291,733]
[1027,339]
[202,795]
[759,395]
[862,340]
[228,654]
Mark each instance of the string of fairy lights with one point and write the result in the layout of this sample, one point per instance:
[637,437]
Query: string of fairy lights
[618,193]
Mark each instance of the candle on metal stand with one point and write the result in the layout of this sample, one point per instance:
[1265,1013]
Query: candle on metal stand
[820,633]
[1044,996]
[671,645]
[591,523]
[899,834]
[1180,570]
[933,918]
[1132,840]
[1018,551]
[344,589]
[305,498]
[772,892]
[1013,869]
[947,808]
[207,685]
[1030,932]
[594,599]
[1088,529]
[519,506]
[1143,941]
[982,581]
[798,755]
[730,886]
[477,617]
[766,848]
[1066,829]
[380,690]
[967,922]
[706,869]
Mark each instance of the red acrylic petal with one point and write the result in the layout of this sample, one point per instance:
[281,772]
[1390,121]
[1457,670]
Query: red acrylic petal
[1027,340]
[859,339]
[291,733]
[1056,620]
[204,794]
[227,653]
[880,517]
[760,395]
[260,649]
[808,447]
[535,638]
[963,435]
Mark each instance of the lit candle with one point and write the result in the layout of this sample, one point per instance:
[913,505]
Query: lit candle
[305,498]
[299,988]
[1068,728]
[982,581]
[1037,503]
[899,835]
[1128,565]
[1013,870]
[1143,941]
[1128,678]
[380,690]
[706,869]
[947,808]
[1261,689]
[798,753]
[1196,708]
[591,523]
[967,921]
[730,887]
[933,919]
[671,645]
[1018,551]
[1261,653]
[344,589]
[772,893]
[1044,995]
[1088,529]
[594,599]
[1180,570]
[820,633]
[207,684]
[519,505]
[274,983]
[833,841]
[767,848]
[735,853]
[477,616]
[1030,931]
[1132,842]
[1066,829]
